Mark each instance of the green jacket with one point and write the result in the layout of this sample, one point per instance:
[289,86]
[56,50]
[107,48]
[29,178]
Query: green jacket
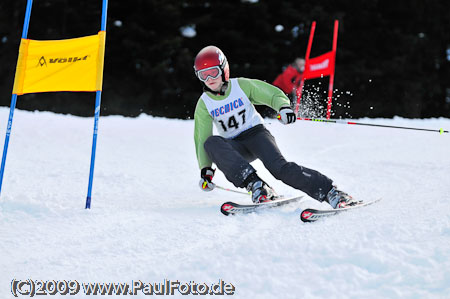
[258,92]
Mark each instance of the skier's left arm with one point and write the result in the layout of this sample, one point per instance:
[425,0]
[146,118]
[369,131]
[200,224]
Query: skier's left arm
[262,93]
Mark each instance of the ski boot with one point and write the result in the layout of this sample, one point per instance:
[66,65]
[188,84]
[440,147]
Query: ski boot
[339,199]
[261,192]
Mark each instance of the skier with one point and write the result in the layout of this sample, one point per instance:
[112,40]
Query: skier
[229,104]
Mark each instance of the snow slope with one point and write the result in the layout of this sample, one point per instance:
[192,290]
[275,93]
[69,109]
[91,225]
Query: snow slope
[149,220]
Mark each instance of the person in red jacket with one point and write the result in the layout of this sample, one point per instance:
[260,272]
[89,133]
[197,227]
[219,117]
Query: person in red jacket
[290,78]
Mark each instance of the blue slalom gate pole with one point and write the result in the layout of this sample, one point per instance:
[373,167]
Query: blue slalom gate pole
[98,98]
[14,98]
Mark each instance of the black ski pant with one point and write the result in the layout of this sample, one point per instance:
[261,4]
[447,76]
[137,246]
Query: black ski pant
[233,157]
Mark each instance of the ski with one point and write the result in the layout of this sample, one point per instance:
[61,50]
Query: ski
[311,215]
[231,208]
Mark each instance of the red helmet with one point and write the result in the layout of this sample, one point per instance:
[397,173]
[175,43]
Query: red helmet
[210,57]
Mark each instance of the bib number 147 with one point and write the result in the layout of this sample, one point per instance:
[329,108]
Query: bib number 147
[232,123]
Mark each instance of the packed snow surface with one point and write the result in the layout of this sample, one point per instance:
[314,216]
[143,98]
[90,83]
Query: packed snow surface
[150,222]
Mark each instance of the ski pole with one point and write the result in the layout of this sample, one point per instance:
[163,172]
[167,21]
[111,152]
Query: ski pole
[231,190]
[245,193]
[338,121]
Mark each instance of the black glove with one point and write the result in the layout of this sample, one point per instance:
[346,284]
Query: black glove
[286,115]
[207,175]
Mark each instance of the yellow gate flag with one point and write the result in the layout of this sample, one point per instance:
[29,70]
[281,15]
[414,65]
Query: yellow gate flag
[60,65]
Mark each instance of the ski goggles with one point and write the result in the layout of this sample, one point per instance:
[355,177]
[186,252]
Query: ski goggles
[211,72]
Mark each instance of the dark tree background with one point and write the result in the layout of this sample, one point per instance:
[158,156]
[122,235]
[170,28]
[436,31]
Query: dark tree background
[393,57]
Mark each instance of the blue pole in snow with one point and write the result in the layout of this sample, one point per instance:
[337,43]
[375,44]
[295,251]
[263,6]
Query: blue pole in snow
[14,97]
[94,147]
[98,98]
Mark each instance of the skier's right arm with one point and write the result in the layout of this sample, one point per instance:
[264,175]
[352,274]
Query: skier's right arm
[203,129]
